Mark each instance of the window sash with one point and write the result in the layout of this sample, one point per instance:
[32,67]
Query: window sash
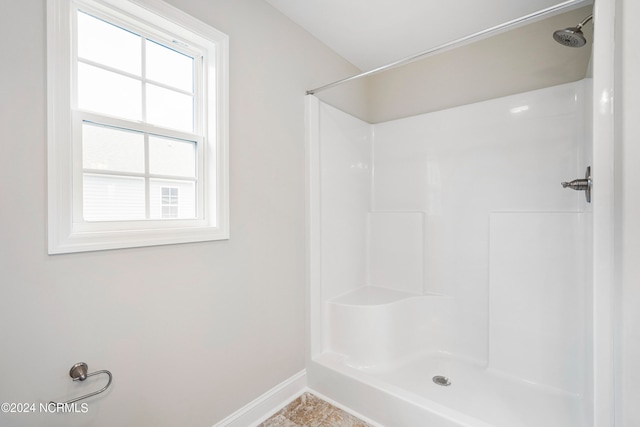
[148,34]
[80,117]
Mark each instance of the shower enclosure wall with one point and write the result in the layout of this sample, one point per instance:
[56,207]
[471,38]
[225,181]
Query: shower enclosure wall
[444,245]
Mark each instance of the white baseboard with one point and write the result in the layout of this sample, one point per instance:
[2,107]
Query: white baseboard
[270,402]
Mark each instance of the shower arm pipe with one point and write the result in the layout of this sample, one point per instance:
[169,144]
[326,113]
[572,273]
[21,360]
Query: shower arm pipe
[479,34]
[584,21]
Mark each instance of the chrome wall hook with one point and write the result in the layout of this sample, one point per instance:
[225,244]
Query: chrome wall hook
[78,372]
[581,184]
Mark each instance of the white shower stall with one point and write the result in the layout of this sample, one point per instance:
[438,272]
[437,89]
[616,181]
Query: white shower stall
[443,245]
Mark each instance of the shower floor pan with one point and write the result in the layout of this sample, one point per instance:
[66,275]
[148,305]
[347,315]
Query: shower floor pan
[405,395]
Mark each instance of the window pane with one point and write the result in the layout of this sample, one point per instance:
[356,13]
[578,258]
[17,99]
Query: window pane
[109,93]
[167,66]
[113,198]
[112,149]
[170,109]
[172,197]
[172,157]
[108,44]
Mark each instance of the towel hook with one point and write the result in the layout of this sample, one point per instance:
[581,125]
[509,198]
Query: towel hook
[78,372]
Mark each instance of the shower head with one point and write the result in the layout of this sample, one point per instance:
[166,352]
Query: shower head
[572,36]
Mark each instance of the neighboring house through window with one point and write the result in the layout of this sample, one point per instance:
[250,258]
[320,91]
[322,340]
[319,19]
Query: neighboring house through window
[170,202]
[137,126]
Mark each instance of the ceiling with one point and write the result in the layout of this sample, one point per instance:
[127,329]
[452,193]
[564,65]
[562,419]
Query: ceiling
[372,33]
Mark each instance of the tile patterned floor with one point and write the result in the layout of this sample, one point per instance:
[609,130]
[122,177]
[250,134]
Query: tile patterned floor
[310,411]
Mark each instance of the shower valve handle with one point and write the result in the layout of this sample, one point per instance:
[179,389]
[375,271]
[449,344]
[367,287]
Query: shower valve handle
[577,184]
[581,184]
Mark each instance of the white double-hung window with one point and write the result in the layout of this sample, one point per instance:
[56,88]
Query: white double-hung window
[137,132]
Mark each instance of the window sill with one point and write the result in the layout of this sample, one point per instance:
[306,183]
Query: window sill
[106,240]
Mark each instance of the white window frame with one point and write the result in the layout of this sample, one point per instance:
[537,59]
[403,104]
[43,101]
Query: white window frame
[67,230]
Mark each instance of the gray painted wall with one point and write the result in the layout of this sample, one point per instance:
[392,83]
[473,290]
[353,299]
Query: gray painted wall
[191,332]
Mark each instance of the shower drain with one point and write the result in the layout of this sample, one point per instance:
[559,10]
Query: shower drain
[440,380]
